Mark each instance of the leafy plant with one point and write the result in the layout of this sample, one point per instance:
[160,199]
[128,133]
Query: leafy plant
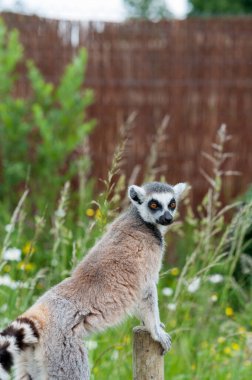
[40,135]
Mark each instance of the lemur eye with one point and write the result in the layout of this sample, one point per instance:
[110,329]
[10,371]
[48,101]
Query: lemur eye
[153,205]
[172,205]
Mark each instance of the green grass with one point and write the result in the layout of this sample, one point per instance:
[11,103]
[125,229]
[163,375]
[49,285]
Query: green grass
[207,343]
[208,316]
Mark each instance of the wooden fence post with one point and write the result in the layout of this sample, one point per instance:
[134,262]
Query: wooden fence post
[148,361]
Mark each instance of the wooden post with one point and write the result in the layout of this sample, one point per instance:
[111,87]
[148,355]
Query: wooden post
[148,361]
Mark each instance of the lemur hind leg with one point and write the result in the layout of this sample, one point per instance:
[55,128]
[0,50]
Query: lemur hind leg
[62,344]
[67,359]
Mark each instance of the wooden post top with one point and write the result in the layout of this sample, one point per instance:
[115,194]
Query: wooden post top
[148,361]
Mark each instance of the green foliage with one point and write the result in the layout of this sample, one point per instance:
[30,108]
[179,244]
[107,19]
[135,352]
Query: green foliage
[220,7]
[39,135]
[147,9]
[11,53]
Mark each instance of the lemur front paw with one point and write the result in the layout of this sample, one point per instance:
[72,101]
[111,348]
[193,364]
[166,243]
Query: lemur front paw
[162,325]
[164,339]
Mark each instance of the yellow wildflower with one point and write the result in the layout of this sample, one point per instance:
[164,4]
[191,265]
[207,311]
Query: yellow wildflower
[119,348]
[193,367]
[98,214]
[30,267]
[175,271]
[221,339]
[229,311]
[227,350]
[90,212]
[26,266]
[95,370]
[28,248]
[21,265]
[241,330]
[7,268]
[126,339]
[235,346]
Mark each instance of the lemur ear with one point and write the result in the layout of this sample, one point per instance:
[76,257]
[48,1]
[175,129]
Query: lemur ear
[136,194]
[179,189]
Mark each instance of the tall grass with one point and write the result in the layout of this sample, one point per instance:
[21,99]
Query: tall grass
[207,311]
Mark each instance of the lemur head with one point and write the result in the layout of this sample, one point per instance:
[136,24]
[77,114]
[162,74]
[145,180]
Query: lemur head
[156,202]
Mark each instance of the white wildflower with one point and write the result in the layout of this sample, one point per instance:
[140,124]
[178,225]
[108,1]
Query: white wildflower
[3,308]
[172,306]
[167,292]
[214,298]
[11,254]
[7,281]
[216,278]
[115,355]
[60,213]
[91,344]
[8,227]
[194,285]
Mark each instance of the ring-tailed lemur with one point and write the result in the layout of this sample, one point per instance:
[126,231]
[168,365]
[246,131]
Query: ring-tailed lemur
[117,277]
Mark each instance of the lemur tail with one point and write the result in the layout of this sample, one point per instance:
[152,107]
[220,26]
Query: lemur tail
[13,340]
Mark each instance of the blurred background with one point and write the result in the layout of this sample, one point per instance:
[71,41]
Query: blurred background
[96,95]
[197,71]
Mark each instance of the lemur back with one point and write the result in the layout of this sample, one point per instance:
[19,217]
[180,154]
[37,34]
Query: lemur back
[116,278]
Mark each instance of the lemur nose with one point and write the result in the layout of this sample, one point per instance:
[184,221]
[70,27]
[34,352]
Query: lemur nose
[166,218]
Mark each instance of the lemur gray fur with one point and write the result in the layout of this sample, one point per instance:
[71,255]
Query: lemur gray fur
[116,278]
